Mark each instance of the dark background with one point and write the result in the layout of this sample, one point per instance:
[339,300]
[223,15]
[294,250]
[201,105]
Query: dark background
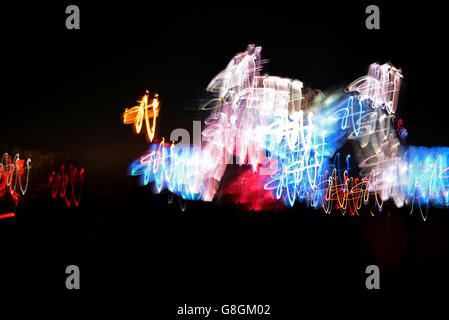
[64,92]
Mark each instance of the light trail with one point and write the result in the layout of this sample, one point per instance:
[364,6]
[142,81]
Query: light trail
[289,137]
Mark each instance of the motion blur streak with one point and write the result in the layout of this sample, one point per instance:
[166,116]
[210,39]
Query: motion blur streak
[290,138]
[7,215]
[427,174]
[138,114]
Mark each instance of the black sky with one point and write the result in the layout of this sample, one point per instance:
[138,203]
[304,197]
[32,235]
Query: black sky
[65,90]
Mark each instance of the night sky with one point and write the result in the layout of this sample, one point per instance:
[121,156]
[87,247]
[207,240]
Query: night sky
[64,92]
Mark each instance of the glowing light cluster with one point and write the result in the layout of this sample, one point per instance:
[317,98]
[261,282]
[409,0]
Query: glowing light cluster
[14,174]
[176,169]
[427,174]
[289,138]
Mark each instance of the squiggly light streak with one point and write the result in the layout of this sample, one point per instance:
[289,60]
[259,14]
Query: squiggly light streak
[65,179]
[142,113]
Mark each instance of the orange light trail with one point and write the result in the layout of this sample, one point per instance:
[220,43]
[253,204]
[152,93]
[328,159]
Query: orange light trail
[7,215]
[143,112]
